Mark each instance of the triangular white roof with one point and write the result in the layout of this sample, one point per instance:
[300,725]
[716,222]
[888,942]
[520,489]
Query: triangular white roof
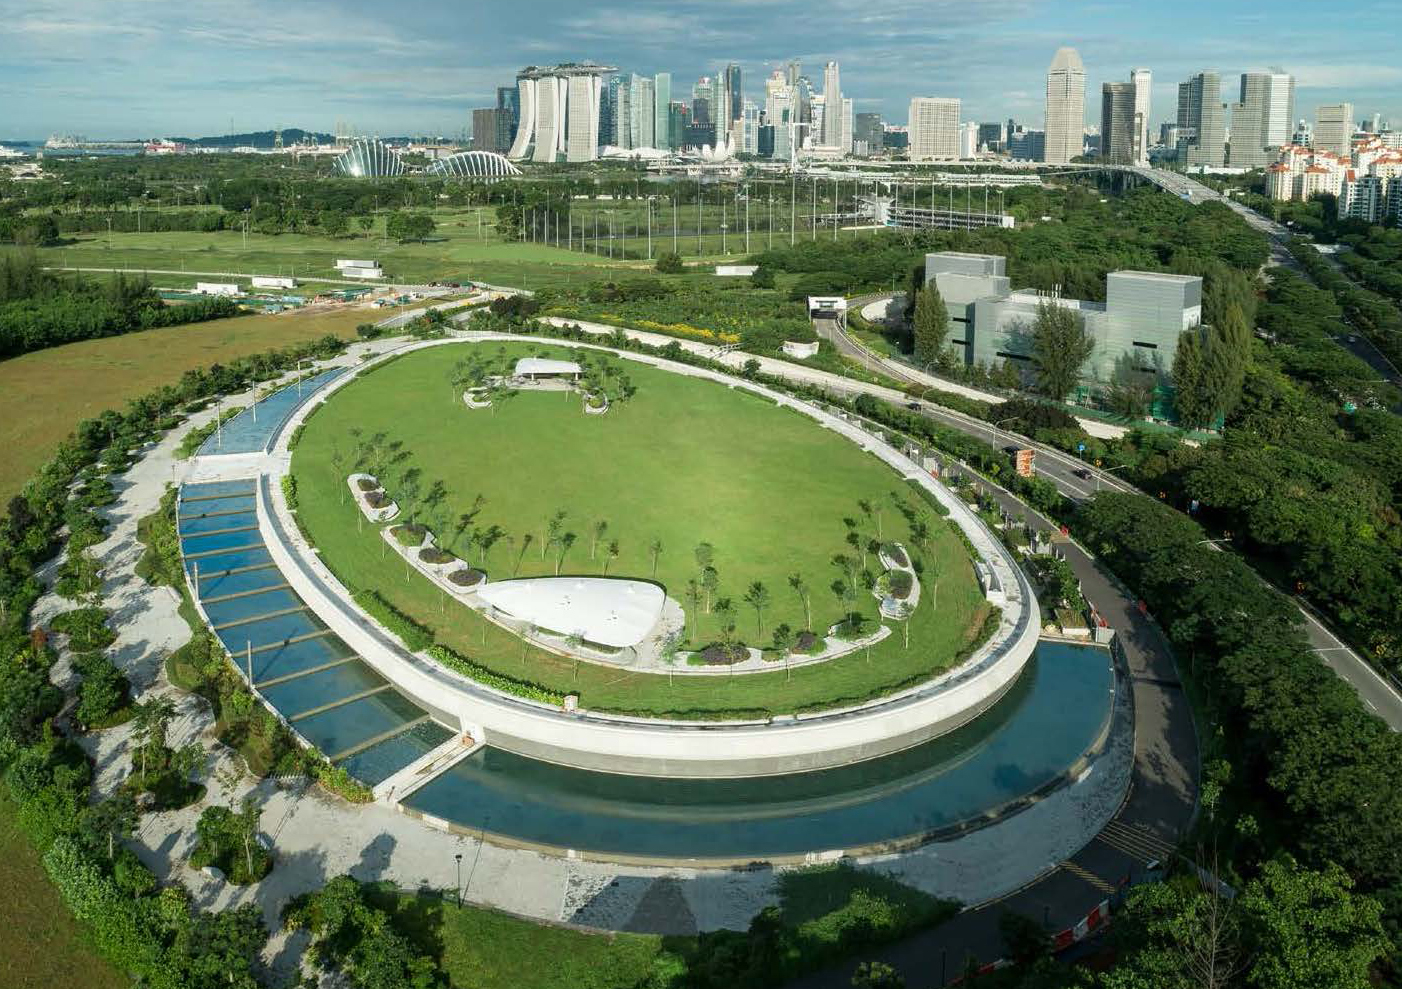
[616,613]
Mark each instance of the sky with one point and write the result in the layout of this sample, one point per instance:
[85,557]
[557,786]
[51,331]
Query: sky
[150,68]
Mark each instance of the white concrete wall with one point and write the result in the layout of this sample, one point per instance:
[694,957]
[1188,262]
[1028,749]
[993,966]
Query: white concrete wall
[585,739]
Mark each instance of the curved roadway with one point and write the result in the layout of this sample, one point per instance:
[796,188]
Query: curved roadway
[1063,470]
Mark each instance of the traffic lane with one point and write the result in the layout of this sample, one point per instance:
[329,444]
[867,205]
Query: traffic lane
[1372,689]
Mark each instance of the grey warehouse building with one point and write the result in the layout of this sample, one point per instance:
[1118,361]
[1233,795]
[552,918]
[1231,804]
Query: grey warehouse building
[1136,328]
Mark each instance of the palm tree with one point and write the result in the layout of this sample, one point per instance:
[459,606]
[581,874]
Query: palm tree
[610,554]
[597,532]
[655,549]
[564,542]
[801,589]
[757,597]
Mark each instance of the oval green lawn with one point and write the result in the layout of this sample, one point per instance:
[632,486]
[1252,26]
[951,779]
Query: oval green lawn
[685,461]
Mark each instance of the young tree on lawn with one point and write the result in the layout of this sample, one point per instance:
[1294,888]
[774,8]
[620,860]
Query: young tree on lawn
[527,634]
[783,642]
[1060,347]
[931,325]
[705,555]
[596,533]
[800,587]
[525,545]
[667,648]
[654,549]
[610,554]
[693,594]
[461,526]
[855,540]
[710,583]
[338,464]
[574,643]
[757,597]
[903,613]
[725,618]
[485,540]
[564,542]
[554,528]
[366,223]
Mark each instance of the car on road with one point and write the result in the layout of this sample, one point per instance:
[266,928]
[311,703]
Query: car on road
[1082,472]
[916,406]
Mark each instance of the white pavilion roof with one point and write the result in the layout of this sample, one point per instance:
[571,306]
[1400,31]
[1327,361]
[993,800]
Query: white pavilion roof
[542,365]
[616,613]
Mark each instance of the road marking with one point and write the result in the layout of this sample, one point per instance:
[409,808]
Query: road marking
[1087,876]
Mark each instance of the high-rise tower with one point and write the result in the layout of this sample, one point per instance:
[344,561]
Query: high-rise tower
[1142,80]
[1066,106]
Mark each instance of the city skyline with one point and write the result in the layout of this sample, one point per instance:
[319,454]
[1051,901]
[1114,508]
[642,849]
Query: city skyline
[236,69]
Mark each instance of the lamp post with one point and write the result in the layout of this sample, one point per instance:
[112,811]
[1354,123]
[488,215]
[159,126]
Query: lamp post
[458,888]
[1109,470]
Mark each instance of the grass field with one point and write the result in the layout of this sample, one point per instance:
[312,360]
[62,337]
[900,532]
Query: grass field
[466,246]
[684,462]
[43,395]
[40,943]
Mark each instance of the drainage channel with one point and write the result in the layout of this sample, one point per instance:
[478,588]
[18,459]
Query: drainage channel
[381,737]
[331,706]
[258,618]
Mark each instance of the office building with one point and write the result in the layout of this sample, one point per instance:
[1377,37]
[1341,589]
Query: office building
[831,132]
[1027,145]
[484,129]
[934,128]
[868,129]
[1333,128]
[1202,125]
[748,126]
[734,90]
[560,107]
[678,119]
[642,113]
[968,139]
[1066,107]
[1143,82]
[1118,123]
[1261,118]
[896,138]
[508,116]
[662,110]
[993,137]
[1135,330]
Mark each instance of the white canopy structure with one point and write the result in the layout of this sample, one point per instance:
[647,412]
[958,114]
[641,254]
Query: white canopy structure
[535,367]
[614,613]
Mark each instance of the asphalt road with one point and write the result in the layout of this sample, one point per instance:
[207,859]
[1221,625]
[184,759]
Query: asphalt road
[1063,470]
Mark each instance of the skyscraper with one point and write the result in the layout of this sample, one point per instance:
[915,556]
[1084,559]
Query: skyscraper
[1066,106]
[1202,124]
[1261,118]
[1118,130]
[1143,81]
[934,128]
[734,90]
[662,107]
[1333,129]
[832,107]
[559,112]
[508,116]
[484,129]
[869,130]
[642,111]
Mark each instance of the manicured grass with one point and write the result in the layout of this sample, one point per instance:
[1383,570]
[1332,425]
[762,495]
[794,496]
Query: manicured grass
[685,461]
[43,395]
[486,949]
[40,943]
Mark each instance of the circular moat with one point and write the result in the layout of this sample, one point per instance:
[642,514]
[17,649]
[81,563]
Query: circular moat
[1035,738]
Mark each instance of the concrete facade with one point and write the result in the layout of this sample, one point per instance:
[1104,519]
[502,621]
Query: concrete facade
[1136,329]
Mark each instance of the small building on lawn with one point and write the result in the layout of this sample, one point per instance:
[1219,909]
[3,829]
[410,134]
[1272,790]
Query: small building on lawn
[608,612]
[544,369]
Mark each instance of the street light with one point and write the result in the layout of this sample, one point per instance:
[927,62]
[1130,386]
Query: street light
[458,888]
[1109,470]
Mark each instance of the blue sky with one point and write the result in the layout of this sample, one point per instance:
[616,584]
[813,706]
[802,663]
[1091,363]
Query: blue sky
[153,67]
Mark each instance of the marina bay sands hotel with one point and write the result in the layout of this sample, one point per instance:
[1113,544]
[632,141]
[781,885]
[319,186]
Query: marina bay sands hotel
[559,112]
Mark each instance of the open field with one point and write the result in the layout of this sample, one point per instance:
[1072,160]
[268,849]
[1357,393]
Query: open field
[43,395]
[40,943]
[685,461]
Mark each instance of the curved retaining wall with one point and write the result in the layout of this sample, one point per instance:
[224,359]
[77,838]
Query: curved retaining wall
[588,740]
